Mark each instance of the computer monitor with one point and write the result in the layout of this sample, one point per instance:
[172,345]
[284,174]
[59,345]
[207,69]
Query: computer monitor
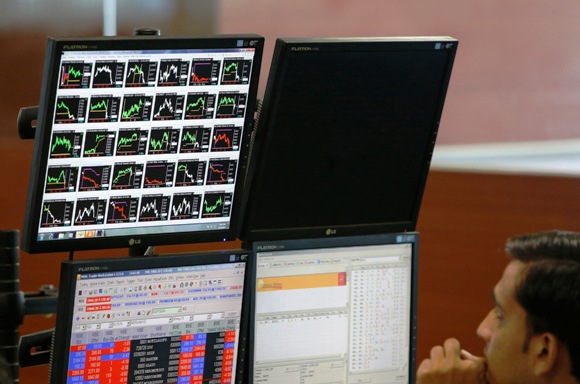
[335,310]
[345,136]
[141,141]
[165,319]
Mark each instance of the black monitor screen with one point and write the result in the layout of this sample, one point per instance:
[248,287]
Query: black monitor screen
[165,319]
[141,140]
[335,310]
[345,136]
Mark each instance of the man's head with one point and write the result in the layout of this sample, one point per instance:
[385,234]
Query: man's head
[533,333]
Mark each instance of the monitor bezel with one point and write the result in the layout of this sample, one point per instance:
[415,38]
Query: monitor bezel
[263,133]
[54,49]
[65,305]
[339,242]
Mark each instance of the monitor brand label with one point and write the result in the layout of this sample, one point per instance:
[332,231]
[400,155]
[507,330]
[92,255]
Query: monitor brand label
[270,247]
[304,49]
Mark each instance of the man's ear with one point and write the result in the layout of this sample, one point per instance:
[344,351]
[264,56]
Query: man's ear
[544,349]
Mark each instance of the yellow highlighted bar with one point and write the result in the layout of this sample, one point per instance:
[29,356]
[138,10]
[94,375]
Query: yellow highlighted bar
[268,284]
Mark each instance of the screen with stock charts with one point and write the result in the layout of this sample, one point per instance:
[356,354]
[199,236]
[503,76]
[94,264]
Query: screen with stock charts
[141,141]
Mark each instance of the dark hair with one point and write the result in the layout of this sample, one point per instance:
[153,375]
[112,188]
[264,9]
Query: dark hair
[553,245]
[549,288]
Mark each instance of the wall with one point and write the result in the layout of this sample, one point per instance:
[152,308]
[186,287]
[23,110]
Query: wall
[516,75]
[464,222]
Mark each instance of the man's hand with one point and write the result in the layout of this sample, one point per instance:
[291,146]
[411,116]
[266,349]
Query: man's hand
[448,364]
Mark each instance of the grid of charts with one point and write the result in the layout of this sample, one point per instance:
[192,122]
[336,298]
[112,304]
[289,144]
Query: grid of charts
[152,138]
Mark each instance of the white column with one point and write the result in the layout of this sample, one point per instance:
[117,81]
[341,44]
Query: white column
[109,17]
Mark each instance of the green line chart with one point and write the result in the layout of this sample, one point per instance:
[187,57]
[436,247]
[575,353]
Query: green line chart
[231,105]
[74,75]
[216,204]
[136,108]
[163,141]
[127,176]
[132,141]
[236,71]
[195,139]
[99,143]
[199,106]
[66,144]
[61,179]
[70,110]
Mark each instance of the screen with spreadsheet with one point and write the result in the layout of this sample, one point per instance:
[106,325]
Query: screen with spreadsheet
[335,310]
[166,319]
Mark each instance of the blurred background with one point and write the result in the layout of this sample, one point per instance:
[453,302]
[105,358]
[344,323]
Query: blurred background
[512,108]
[516,77]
